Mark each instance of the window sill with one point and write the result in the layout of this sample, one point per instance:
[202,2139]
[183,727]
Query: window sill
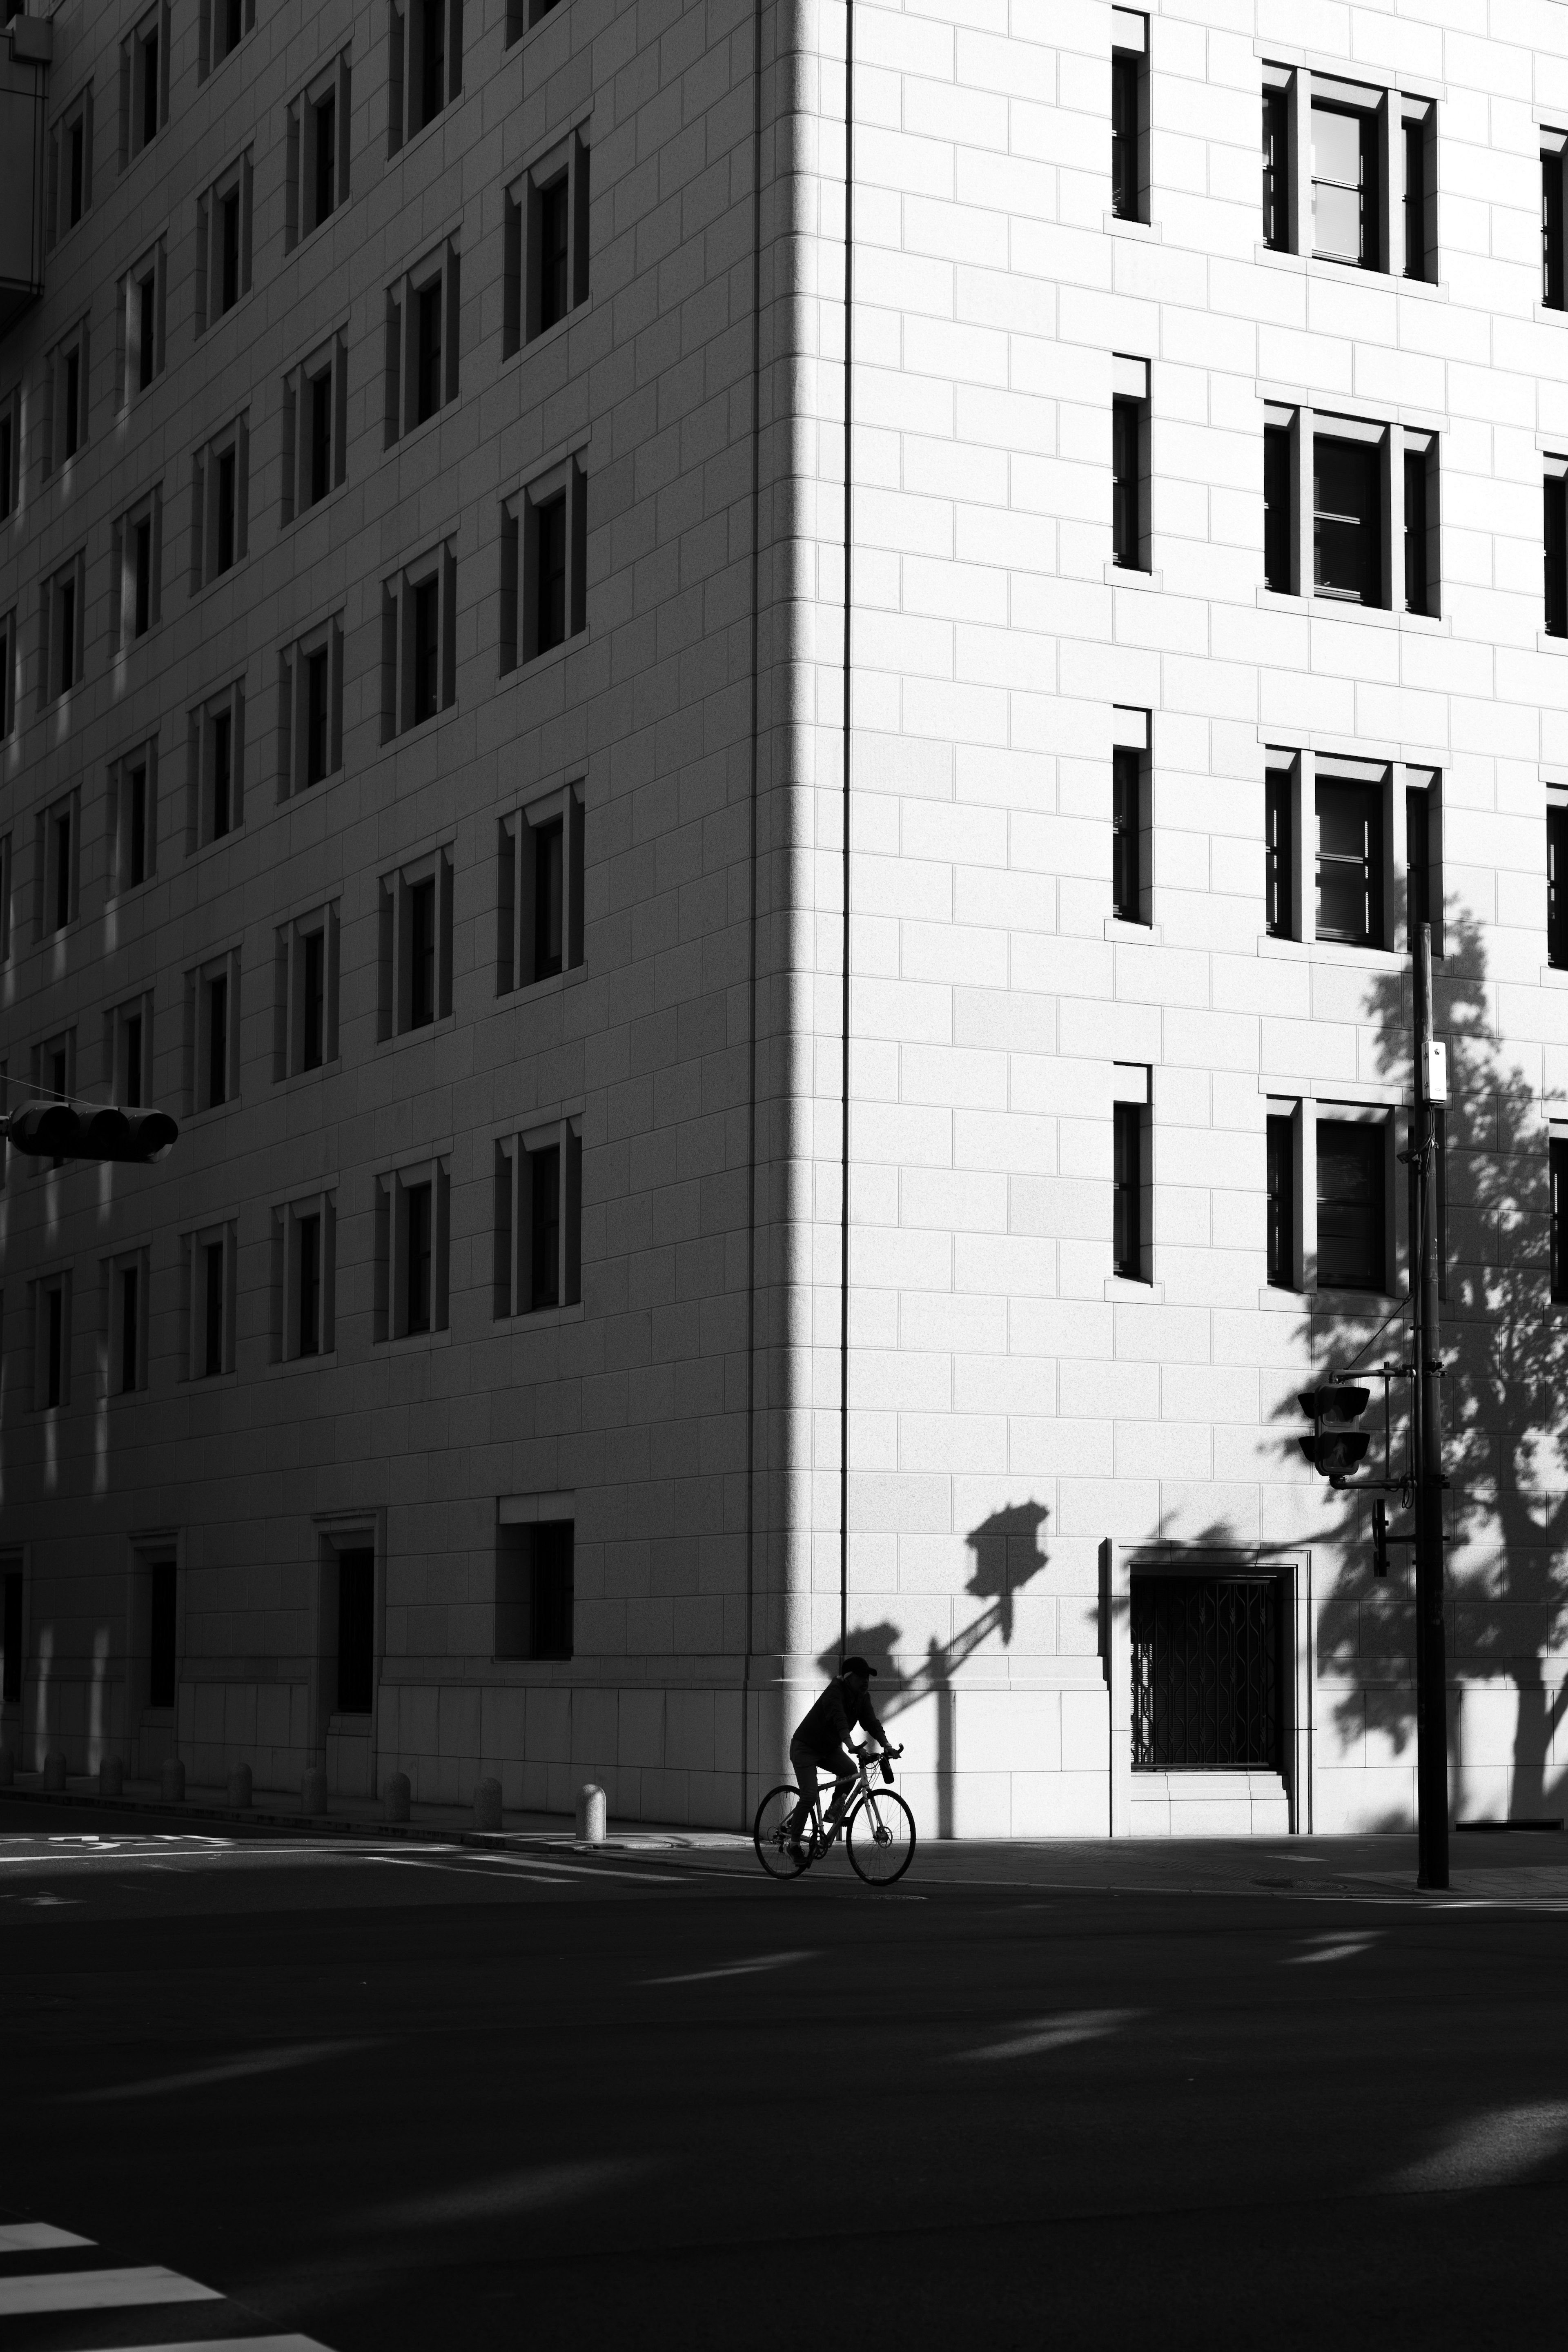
[1122,575]
[546,335]
[221,318]
[210,1110]
[1136,935]
[198,1380]
[1316,264]
[302,515]
[323,1363]
[1317,607]
[309,1078]
[412,432]
[1275,1299]
[529,990]
[1352,1302]
[1549,314]
[1332,951]
[407,1343]
[341,1725]
[1552,976]
[1549,644]
[533,665]
[412,138]
[1121,1290]
[544,1318]
[218,840]
[441,1028]
[1140,232]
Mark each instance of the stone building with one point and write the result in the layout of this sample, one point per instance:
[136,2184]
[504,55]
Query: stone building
[746,706]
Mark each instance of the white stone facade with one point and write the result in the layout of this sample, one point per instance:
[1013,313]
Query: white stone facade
[1030,1433]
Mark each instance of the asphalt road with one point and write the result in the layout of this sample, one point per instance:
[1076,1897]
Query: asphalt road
[379,2096]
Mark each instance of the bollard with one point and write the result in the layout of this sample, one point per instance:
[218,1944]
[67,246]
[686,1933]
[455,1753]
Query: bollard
[55,1772]
[174,1780]
[313,1792]
[239,1785]
[591,1822]
[7,1768]
[112,1777]
[487,1805]
[396,1796]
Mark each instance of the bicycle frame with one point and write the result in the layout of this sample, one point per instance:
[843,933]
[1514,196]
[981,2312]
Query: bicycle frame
[860,1792]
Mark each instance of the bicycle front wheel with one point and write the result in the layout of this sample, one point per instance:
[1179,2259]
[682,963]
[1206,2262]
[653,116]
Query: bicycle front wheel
[881,1838]
[770,1833]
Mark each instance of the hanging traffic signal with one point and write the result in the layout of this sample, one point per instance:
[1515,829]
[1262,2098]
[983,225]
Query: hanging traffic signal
[58,1131]
[1336,1446]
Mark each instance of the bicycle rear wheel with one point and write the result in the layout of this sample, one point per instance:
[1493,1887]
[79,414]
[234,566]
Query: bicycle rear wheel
[881,1838]
[770,1833]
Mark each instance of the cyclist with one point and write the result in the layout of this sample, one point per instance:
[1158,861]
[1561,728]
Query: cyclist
[820,1744]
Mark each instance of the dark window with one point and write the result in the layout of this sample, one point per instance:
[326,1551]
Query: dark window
[313,1000]
[223,773]
[227,469]
[1347,555]
[1557,884]
[1206,1673]
[1350,863]
[62,871]
[67,635]
[545,1221]
[162,1632]
[1415,200]
[1282,1152]
[417,1238]
[133,1061]
[428,327]
[212,1302]
[1276,171]
[130,1327]
[356,1631]
[433,60]
[1126,516]
[54,1347]
[1416,591]
[228,250]
[73,402]
[1555,540]
[5,447]
[316,737]
[320,437]
[218,1041]
[147,354]
[141,567]
[548,898]
[1126,880]
[308,1243]
[1344,180]
[534,1589]
[1127,1237]
[149,88]
[1350,1206]
[11,1681]
[1551,278]
[427,649]
[1129,109]
[421,906]
[1278,572]
[1559,1151]
[77,174]
[231,24]
[1417,864]
[326,157]
[553,294]
[1277,801]
[552,527]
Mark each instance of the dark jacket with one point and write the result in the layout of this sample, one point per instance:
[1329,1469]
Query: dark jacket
[825,1732]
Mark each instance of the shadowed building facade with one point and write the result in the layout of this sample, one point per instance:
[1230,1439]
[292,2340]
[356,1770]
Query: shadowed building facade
[746,706]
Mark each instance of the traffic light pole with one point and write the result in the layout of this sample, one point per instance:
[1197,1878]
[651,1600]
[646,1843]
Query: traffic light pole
[1431,1663]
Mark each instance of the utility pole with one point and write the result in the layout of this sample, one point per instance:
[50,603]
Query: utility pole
[1431,1663]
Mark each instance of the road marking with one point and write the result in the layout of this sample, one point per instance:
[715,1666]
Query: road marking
[545,1874]
[537,2186]
[232,2070]
[37,2238]
[1332,1947]
[1057,2033]
[231,2344]
[1487,2151]
[47,1902]
[737,1968]
[99,2290]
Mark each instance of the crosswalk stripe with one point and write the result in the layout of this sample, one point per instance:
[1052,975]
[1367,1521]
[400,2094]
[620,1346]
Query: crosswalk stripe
[37,2238]
[100,2290]
[230,2343]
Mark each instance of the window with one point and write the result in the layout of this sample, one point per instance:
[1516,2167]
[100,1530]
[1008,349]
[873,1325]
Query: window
[306,1036]
[52,1342]
[221,27]
[540,897]
[162,1603]
[1131,817]
[56,856]
[1344,185]
[211,1000]
[10,454]
[1277,168]
[127,1044]
[1418,894]
[125,1280]
[1375,538]
[136,566]
[7,673]
[1130,466]
[423,309]
[1278,471]
[1347,552]
[223,243]
[545,260]
[1351,1241]
[66,399]
[1281,1179]
[143,83]
[214,791]
[310,707]
[354,1681]
[1129,115]
[522,15]
[1369,194]
[4,938]
[533,1586]
[317,162]
[68,188]
[1350,861]
[1420,522]
[418,644]
[545,543]
[412,1240]
[416,945]
[1554,545]
[1418,246]
[304,1239]
[11,1632]
[537,1219]
[1558,1149]
[134,818]
[1130,1184]
[1553,286]
[1280,855]
[315,428]
[1557,884]
[211,1287]
[140,309]
[220,504]
[426,69]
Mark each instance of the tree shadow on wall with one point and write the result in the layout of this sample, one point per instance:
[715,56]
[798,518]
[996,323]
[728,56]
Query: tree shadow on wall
[1505,1350]
[1009,1551]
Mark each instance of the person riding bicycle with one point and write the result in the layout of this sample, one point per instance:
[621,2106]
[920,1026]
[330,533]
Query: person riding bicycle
[820,1744]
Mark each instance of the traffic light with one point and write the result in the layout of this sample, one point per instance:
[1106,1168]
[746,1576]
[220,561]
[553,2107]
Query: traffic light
[58,1131]
[1336,1446]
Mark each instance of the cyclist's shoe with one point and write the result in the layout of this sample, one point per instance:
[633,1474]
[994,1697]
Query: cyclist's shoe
[796,1853]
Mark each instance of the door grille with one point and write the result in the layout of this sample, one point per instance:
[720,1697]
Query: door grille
[1206,1673]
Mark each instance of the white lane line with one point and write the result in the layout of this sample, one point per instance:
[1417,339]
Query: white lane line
[99,2290]
[461,1870]
[1057,2033]
[548,1873]
[738,1968]
[1332,1947]
[230,2070]
[1487,2151]
[37,2238]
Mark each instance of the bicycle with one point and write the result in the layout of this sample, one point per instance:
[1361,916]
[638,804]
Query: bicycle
[879,1827]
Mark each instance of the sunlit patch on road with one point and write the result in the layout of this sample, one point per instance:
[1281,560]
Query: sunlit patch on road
[1487,2151]
[759,1966]
[532,2189]
[1331,1948]
[1060,2033]
[229,2070]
